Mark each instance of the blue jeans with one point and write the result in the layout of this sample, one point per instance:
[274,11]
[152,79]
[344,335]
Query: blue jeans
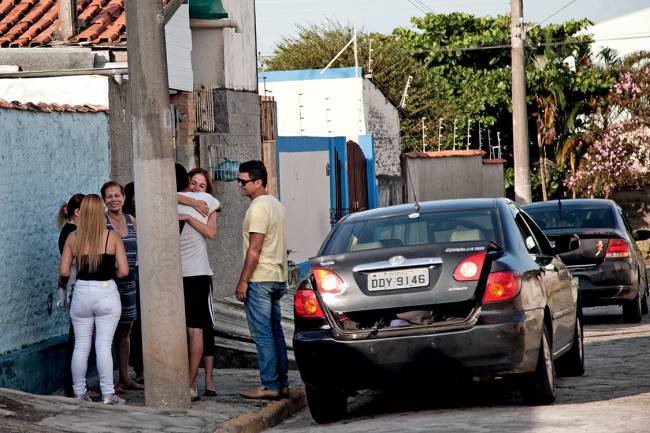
[264,321]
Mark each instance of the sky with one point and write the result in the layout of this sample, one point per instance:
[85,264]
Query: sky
[278,18]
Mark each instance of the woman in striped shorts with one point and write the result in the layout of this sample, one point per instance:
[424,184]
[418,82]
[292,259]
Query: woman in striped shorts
[125,226]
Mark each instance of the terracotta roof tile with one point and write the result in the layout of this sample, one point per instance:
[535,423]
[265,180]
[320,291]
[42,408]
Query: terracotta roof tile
[48,108]
[30,23]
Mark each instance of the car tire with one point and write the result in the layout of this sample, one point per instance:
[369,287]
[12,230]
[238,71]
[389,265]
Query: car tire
[633,310]
[326,404]
[538,387]
[572,363]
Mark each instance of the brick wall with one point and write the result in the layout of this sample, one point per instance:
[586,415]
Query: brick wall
[184,102]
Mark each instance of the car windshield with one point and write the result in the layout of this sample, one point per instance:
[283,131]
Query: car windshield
[414,229]
[577,217]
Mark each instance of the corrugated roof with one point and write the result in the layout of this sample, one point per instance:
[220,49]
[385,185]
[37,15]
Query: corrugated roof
[48,108]
[32,23]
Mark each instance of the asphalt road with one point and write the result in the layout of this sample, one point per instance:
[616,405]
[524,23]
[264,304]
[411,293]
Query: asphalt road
[612,396]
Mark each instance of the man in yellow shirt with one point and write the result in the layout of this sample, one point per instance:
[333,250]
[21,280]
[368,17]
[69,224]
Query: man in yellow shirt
[263,280]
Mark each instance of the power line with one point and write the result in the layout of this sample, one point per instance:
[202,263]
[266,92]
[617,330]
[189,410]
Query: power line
[552,15]
[425,6]
[417,6]
[558,42]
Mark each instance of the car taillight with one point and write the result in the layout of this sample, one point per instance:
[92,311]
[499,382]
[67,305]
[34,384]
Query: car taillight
[501,286]
[328,282]
[305,302]
[617,249]
[470,268]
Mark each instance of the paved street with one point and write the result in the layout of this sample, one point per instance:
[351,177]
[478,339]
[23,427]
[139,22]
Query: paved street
[612,396]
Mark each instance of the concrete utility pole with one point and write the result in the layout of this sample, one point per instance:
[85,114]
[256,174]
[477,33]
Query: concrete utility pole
[67,18]
[163,314]
[519,109]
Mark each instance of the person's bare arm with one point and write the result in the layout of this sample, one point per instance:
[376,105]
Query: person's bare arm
[208,230]
[66,258]
[256,241]
[121,262]
[199,205]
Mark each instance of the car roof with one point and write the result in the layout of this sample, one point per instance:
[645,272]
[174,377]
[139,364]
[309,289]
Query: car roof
[578,202]
[428,206]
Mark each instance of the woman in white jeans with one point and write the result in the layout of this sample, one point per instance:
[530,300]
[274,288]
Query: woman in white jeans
[100,257]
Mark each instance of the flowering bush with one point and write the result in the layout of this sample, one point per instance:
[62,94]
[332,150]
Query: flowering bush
[620,156]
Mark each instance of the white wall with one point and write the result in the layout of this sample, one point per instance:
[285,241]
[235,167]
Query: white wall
[240,49]
[77,90]
[609,33]
[382,119]
[178,38]
[344,108]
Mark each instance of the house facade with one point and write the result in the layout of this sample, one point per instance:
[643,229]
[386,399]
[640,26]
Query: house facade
[52,81]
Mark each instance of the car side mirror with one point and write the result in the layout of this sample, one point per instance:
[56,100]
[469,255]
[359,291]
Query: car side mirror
[642,235]
[565,243]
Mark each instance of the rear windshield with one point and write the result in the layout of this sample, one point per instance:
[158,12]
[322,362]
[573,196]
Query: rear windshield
[576,217]
[404,230]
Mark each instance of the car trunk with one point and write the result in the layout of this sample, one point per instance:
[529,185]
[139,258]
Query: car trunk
[593,246]
[404,287]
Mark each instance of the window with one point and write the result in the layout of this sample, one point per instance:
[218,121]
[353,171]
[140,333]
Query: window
[474,225]
[569,216]
[527,235]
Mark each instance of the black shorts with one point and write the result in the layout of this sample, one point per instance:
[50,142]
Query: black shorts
[198,308]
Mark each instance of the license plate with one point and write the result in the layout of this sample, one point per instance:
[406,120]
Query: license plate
[402,279]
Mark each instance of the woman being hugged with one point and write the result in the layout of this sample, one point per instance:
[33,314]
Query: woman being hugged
[124,225]
[100,257]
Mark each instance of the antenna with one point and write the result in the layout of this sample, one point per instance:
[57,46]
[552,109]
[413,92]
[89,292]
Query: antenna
[300,106]
[469,129]
[480,138]
[370,58]
[455,125]
[356,58]
[424,136]
[405,93]
[415,197]
[439,134]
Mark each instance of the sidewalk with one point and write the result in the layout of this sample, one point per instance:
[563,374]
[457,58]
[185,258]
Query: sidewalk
[228,412]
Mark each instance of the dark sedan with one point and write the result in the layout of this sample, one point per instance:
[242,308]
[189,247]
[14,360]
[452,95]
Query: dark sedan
[457,288]
[608,264]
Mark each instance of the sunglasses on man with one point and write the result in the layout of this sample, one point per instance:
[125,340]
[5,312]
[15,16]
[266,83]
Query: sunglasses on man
[243,182]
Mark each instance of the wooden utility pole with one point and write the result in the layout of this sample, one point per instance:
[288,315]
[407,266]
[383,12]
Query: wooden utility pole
[519,109]
[164,336]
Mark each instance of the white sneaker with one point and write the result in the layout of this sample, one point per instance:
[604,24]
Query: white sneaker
[194,394]
[83,397]
[113,399]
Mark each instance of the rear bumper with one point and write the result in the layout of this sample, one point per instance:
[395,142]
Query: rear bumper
[498,345]
[609,283]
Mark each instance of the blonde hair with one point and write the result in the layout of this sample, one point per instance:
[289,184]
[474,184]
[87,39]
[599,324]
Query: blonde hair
[89,237]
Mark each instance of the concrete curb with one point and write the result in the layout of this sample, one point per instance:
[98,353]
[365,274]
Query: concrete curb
[272,414]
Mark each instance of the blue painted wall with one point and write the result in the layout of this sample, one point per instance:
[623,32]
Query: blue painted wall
[44,159]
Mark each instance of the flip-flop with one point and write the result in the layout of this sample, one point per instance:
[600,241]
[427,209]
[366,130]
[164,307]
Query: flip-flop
[132,386]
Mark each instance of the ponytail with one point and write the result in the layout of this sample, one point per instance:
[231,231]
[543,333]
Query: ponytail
[66,211]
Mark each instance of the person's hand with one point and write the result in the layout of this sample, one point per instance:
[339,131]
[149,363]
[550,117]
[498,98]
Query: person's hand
[201,207]
[183,217]
[240,291]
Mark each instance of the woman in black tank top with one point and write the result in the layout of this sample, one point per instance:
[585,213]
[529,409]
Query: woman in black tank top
[100,258]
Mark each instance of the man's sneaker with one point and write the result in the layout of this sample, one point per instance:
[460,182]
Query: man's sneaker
[83,397]
[194,394]
[261,393]
[113,399]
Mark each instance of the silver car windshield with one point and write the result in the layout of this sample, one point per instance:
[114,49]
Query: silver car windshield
[409,230]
